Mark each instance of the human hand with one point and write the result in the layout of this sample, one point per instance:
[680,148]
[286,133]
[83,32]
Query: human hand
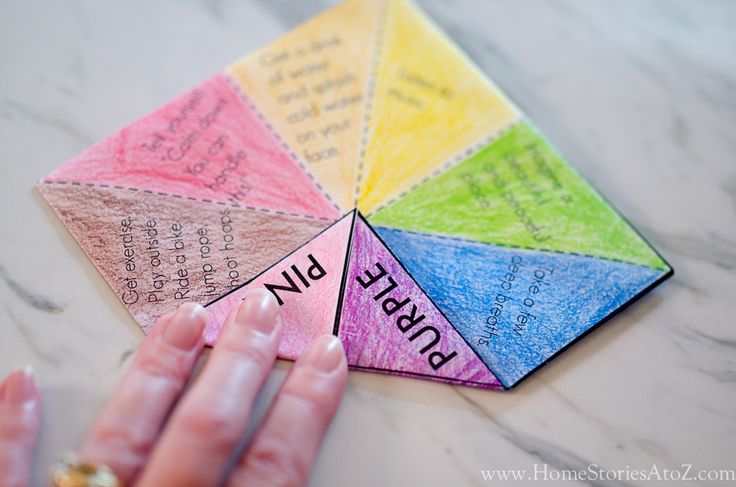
[152,433]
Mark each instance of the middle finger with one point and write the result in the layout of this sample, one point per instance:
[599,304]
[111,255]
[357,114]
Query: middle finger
[207,426]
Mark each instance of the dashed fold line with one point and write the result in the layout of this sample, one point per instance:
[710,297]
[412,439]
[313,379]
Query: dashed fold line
[191,198]
[518,247]
[246,99]
[452,162]
[370,91]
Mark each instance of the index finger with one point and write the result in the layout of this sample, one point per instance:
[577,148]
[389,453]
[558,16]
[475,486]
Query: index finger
[285,447]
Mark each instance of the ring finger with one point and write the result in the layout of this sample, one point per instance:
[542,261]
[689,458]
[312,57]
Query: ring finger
[127,429]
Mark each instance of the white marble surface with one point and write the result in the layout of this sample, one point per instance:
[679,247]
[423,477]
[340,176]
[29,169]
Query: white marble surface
[641,95]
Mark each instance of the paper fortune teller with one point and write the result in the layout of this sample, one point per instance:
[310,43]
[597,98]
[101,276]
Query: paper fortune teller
[369,175]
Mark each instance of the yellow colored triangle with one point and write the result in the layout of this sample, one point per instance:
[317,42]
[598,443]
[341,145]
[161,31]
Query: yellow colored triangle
[311,85]
[430,105]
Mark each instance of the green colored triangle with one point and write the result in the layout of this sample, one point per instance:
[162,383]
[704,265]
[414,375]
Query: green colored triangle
[519,191]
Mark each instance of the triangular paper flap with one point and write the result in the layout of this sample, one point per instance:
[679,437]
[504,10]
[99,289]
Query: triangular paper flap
[519,192]
[158,252]
[311,85]
[517,308]
[306,283]
[387,323]
[206,144]
[430,105]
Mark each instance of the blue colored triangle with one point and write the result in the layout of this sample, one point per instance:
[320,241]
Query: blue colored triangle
[516,307]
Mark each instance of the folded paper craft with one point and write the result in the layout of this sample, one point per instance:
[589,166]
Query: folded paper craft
[367,173]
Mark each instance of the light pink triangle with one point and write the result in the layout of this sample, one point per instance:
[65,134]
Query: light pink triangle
[206,144]
[314,273]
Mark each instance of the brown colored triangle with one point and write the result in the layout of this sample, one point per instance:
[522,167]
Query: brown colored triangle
[158,252]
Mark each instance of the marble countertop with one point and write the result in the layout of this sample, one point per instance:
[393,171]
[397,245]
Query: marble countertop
[640,95]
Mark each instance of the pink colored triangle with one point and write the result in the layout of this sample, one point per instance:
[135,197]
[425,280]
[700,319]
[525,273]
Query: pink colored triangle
[388,324]
[206,144]
[158,252]
[306,283]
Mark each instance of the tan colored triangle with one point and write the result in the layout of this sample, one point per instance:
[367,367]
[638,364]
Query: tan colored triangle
[311,84]
[158,252]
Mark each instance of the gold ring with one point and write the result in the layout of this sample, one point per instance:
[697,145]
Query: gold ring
[72,472]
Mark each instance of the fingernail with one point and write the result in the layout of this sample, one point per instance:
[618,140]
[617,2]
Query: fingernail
[20,387]
[186,326]
[325,354]
[258,310]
